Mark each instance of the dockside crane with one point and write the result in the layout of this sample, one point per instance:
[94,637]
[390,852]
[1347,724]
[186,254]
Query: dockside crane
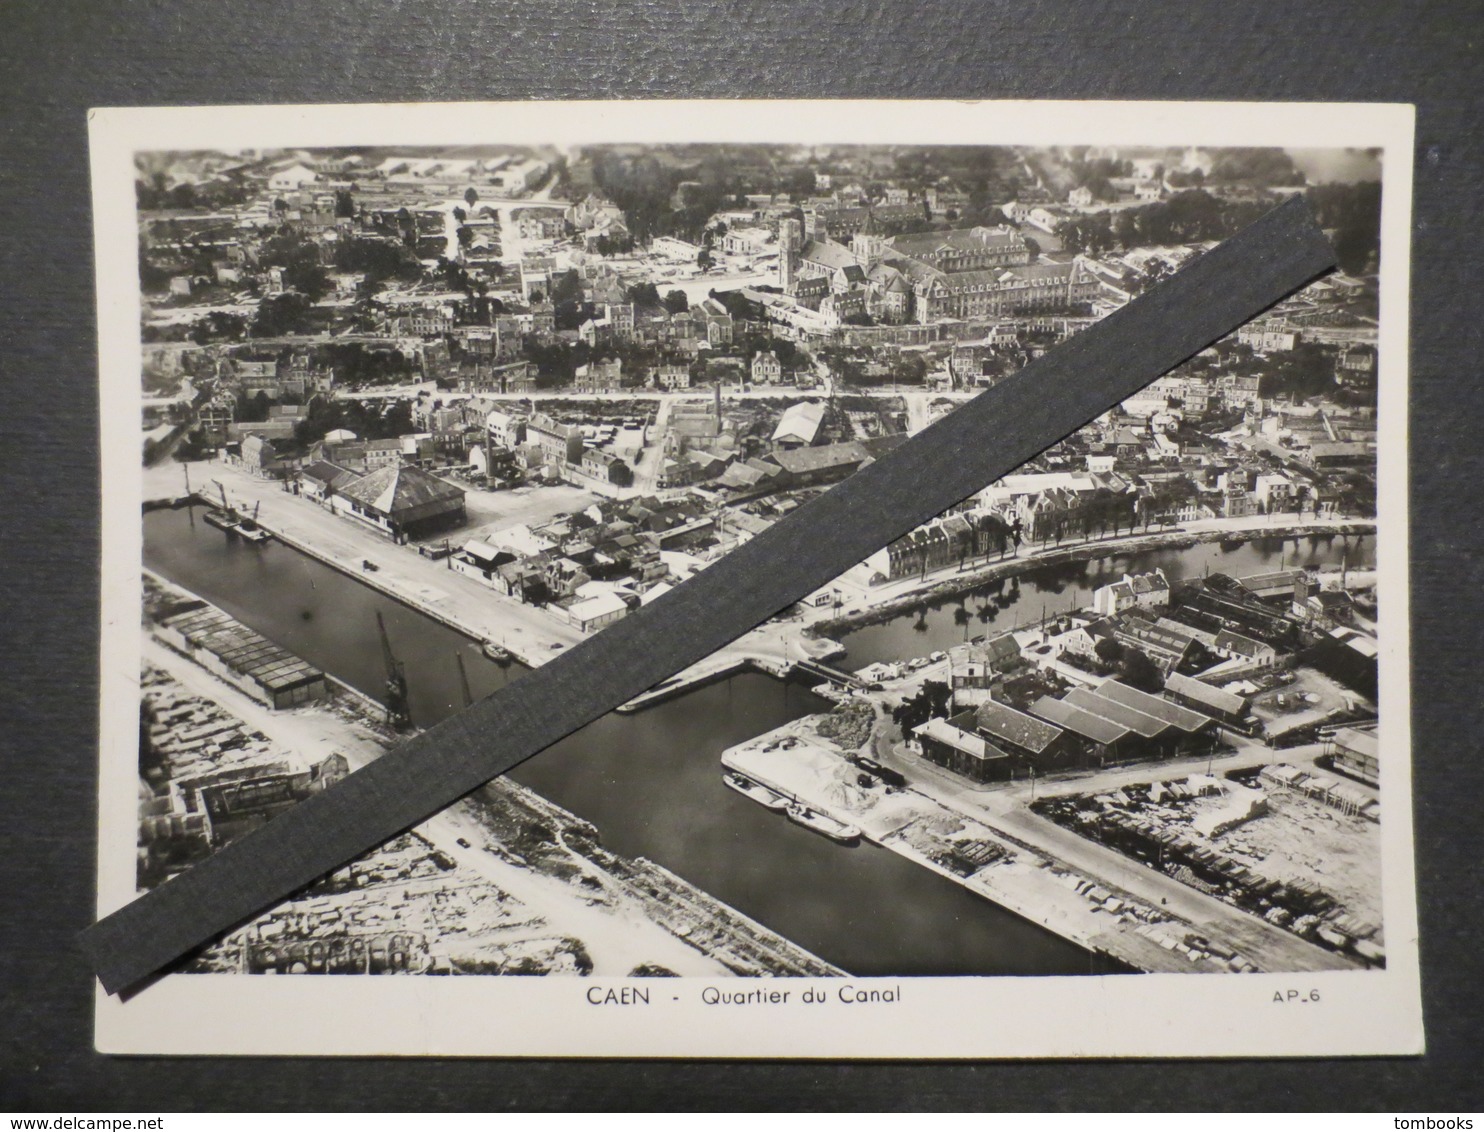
[398,712]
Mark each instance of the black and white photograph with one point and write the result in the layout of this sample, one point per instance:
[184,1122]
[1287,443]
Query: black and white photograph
[401,404]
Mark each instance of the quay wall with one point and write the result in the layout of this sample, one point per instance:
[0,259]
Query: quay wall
[933,590]
[1001,899]
[372,580]
[698,675]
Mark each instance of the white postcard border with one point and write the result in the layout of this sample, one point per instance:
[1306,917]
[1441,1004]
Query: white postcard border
[1353,1013]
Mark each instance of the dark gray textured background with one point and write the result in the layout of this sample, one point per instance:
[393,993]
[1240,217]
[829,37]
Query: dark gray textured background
[57,59]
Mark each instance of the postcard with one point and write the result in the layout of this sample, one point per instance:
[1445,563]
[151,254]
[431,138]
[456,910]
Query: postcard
[1112,759]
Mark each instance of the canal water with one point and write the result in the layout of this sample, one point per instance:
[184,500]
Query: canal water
[650,781]
[1047,590]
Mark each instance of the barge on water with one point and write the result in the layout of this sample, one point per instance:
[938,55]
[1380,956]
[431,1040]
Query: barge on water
[246,529]
[756,791]
[822,823]
[249,529]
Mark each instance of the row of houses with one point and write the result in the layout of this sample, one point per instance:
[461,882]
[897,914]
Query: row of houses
[591,567]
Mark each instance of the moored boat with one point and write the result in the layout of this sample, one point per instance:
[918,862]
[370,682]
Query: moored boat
[755,790]
[251,531]
[497,653]
[221,521]
[822,823]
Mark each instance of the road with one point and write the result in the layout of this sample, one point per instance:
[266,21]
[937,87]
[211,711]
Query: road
[920,405]
[1004,810]
[647,471]
[528,631]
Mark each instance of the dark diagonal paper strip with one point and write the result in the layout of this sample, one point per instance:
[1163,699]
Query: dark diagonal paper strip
[957,456]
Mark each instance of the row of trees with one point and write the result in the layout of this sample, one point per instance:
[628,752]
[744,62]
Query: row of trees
[1352,211]
[152,195]
[645,189]
[1184,218]
[368,420]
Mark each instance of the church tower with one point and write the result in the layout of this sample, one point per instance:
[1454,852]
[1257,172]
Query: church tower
[788,253]
[869,244]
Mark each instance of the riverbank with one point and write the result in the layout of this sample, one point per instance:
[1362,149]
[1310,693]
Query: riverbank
[988,842]
[531,635]
[521,870]
[649,781]
[430,587]
[910,596]
[459,603]
[912,826]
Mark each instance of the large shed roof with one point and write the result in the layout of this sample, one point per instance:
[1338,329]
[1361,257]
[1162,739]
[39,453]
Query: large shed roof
[800,422]
[1136,721]
[1160,708]
[242,650]
[398,488]
[1003,722]
[1079,721]
[1217,699]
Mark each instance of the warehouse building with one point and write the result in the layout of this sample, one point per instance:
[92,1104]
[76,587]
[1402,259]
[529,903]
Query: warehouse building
[230,650]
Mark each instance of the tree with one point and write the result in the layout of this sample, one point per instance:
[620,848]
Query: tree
[1305,371]
[620,474]
[217,325]
[307,278]
[961,616]
[345,204]
[1138,671]
[397,420]
[470,196]
[253,409]
[909,369]
[644,294]
[676,302]
[566,288]
[1257,165]
[931,702]
[278,315]
[1353,211]
[379,259]
[704,260]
